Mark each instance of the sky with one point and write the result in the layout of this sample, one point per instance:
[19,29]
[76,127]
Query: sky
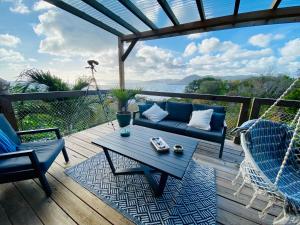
[34,34]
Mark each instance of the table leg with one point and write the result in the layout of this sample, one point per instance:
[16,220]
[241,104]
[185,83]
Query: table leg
[109,161]
[158,188]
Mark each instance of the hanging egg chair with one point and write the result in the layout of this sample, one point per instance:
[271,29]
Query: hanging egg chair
[272,159]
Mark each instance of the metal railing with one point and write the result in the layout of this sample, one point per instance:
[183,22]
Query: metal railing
[73,111]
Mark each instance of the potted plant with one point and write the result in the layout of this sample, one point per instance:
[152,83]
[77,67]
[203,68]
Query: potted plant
[124,96]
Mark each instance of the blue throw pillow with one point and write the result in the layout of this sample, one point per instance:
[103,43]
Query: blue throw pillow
[217,121]
[6,145]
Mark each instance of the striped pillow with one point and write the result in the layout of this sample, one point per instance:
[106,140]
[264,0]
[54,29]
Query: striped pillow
[6,145]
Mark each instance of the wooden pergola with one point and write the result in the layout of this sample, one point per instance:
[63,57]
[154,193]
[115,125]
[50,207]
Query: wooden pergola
[114,16]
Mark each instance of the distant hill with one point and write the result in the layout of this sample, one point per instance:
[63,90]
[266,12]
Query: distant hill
[188,79]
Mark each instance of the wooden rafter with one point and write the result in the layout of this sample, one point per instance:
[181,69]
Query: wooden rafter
[167,9]
[275,4]
[263,17]
[84,16]
[138,13]
[236,7]
[200,9]
[101,8]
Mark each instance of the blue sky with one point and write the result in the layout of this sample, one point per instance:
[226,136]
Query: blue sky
[35,35]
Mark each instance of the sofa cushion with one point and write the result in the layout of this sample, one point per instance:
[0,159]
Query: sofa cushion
[143,108]
[46,153]
[215,136]
[144,122]
[217,121]
[179,111]
[155,113]
[159,103]
[217,109]
[6,145]
[201,119]
[172,126]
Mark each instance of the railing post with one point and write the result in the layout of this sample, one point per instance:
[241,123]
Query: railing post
[255,109]
[7,109]
[243,116]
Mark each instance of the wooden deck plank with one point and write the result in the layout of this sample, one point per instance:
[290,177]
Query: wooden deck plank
[47,210]
[80,212]
[16,207]
[3,217]
[25,203]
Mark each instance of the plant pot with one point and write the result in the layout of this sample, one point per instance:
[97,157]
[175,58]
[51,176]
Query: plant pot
[123,118]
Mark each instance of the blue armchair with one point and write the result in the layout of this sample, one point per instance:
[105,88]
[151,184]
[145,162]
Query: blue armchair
[32,159]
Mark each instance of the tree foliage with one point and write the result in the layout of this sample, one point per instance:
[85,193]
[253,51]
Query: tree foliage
[262,86]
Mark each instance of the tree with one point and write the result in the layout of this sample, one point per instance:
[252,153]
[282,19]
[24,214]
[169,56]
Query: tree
[207,85]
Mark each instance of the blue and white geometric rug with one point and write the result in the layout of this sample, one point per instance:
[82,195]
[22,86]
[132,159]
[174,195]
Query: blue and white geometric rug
[191,200]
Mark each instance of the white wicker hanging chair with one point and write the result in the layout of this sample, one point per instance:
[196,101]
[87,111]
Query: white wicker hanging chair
[271,165]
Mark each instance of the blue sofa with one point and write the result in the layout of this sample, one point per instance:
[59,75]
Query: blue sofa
[178,118]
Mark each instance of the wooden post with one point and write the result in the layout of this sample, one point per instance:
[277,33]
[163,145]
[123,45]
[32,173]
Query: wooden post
[121,64]
[243,116]
[8,111]
[255,109]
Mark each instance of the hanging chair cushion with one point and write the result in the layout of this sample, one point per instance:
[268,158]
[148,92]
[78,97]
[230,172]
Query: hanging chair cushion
[268,142]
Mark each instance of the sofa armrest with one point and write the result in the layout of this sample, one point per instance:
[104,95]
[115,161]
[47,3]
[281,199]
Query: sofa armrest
[38,131]
[134,114]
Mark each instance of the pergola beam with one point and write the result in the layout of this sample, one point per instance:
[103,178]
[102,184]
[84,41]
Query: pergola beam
[167,9]
[138,13]
[128,50]
[200,9]
[236,7]
[101,8]
[84,16]
[121,63]
[263,17]
[275,4]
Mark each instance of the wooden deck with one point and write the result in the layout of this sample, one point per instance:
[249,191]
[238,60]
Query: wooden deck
[23,203]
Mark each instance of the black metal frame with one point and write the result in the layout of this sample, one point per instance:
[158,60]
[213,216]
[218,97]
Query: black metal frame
[157,188]
[35,171]
[222,142]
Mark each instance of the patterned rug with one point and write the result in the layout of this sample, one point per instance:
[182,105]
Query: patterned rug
[191,200]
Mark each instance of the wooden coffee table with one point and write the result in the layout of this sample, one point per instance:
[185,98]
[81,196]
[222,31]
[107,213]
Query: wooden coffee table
[138,147]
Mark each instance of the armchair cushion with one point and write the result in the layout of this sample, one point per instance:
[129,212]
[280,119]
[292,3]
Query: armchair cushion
[217,121]
[6,145]
[46,152]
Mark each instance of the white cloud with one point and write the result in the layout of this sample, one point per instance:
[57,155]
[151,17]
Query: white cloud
[42,5]
[9,40]
[68,36]
[10,56]
[291,49]
[18,7]
[263,40]
[190,49]
[196,36]
[209,45]
[228,58]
